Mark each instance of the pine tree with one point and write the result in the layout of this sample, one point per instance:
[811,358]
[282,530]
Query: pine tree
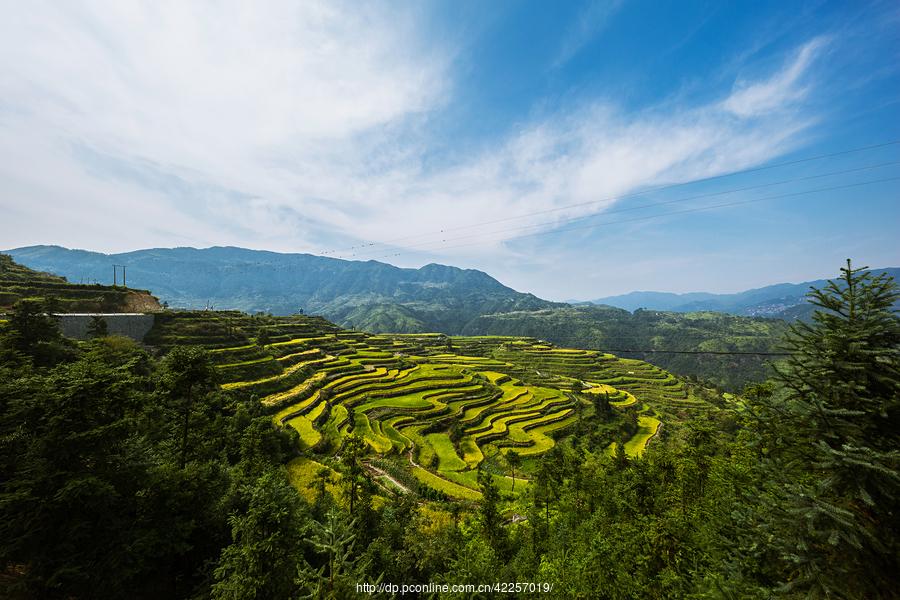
[187,375]
[97,327]
[831,434]
[514,460]
[489,513]
[267,547]
[602,407]
[33,331]
[353,451]
[319,484]
[341,570]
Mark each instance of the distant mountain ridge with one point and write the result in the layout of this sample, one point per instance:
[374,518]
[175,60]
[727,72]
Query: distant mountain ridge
[783,300]
[377,297]
[370,295]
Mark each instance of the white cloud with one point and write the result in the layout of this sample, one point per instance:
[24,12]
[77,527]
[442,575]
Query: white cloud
[224,95]
[591,21]
[569,167]
[127,125]
[755,98]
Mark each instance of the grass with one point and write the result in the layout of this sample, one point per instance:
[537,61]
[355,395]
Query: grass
[330,430]
[295,391]
[245,362]
[454,490]
[363,428]
[302,475]
[236,385]
[405,401]
[400,441]
[629,400]
[541,441]
[280,415]
[503,483]
[304,427]
[448,460]
[647,427]
[472,454]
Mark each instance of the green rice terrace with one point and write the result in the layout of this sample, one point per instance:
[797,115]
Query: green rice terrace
[432,409]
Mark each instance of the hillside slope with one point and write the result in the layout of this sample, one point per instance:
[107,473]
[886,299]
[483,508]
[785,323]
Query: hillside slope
[432,410]
[614,330]
[18,282]
[380,298]
[365,295]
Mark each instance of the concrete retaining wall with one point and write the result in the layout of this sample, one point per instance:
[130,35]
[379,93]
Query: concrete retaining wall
[133,325]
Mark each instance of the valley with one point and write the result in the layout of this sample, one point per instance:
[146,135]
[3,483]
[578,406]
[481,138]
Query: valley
[432,409]
[379,298]
[239,435]
[589,300]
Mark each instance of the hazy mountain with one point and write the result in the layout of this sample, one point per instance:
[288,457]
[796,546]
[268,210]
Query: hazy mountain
[365,295]
[655,300]
[783,300]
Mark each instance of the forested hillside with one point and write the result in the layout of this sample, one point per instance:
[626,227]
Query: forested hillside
[617,330]
[281,457]
[379,298]
[369,295]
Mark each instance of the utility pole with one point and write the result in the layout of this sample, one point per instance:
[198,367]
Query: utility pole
[115,272]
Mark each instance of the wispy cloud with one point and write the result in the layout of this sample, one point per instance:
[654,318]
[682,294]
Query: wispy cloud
[754,98]
[302,127]
[592,20]
[586,157]
[259,103]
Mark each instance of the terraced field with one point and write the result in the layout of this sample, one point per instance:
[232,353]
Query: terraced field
[442,407]
[18,282]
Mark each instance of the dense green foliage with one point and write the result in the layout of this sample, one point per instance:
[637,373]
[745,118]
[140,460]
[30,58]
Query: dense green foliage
[788,491]
[12,272]
[436,408]
[614,330]
[103,493]
[838,475]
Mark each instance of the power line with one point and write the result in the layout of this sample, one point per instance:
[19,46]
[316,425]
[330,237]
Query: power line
[663,203]
[671,213]
[724,353]
[632,195]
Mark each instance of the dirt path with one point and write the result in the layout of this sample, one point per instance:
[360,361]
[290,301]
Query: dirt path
[409,455]
[655,434]
[381,473]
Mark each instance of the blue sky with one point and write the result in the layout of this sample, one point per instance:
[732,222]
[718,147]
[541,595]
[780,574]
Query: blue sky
[512,137]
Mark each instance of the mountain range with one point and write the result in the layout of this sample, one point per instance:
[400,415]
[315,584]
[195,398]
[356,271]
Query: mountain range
[370,296]
[377,297]
[783,300]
